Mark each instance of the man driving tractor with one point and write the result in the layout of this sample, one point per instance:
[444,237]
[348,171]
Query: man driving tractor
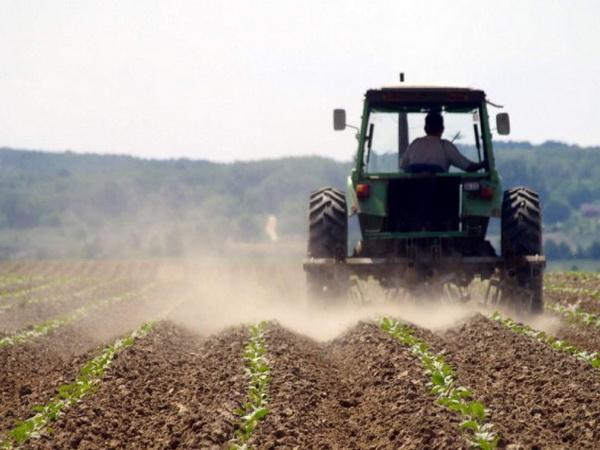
[432,154]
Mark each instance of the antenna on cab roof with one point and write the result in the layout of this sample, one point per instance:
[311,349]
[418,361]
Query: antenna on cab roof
[401,77]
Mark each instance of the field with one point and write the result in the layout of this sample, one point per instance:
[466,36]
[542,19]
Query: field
[213,354]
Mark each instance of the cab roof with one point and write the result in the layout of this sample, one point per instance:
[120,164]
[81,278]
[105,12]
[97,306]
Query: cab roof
[424,96]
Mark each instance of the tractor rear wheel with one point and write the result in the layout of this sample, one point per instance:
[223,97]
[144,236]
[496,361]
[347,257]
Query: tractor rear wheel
[521,235]
[327,238]
[328,224]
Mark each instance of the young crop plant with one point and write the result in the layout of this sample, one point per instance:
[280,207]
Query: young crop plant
[555,278]
[50,325]
[258,372]
[37,331]
[42,287]
[32,301]
[575,314]
[569,290]
[90,376]
[7,281]
[591,358]
[444,386]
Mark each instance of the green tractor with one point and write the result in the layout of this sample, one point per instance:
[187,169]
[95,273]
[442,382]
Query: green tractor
[427,229]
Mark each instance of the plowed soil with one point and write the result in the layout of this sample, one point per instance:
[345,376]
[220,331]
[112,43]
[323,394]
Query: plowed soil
[582,290]
[172,390]
[56,302]
[538,398]
[579,299]
[32,371]
[360,391]
[180,386]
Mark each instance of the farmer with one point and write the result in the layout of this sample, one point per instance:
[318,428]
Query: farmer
[432,154]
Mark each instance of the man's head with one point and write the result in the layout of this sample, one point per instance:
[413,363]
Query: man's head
[434,124]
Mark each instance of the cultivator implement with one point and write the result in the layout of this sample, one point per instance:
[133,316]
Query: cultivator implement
[447,277]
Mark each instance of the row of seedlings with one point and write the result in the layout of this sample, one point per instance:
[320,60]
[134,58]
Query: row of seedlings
[15,295]
[14,281]
[90,376]
[580,292]
[445,387]
[592,358]
[41,299]
[575,314]
[258,373]
[50,325]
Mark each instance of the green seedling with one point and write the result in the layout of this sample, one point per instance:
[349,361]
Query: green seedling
[444,386]
[574,314]
[569,290]
[90,376]
[41,299]
[591,358]
[258,372]
[50,284]
[48,326]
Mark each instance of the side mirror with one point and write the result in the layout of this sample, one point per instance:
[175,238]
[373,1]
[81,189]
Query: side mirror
[339,119]
[503,123]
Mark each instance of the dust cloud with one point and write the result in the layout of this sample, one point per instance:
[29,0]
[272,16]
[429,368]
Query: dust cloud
[550,324]
[222,293]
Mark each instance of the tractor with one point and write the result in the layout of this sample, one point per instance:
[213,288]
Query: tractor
[422,232]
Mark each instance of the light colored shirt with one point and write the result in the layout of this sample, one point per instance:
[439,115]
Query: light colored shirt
[435,151]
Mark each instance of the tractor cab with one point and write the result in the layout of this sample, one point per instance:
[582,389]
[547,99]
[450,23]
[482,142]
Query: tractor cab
[395,203]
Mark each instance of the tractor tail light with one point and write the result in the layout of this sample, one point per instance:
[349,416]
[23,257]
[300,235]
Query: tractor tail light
[362,190]
[486,193]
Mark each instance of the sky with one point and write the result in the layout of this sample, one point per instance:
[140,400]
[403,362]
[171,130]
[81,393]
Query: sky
[244,80]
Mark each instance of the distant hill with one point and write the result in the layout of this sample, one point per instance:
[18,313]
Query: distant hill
[84,205]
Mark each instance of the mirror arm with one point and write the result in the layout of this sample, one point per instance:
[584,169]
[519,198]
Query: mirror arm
[357,135]
[495,105]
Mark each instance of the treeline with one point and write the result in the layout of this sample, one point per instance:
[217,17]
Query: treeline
[566,176]
[560,250]
[74,205]
[70,205]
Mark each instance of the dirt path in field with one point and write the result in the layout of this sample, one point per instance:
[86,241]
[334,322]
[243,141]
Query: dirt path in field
[361,390]
[170,390]
[538,397]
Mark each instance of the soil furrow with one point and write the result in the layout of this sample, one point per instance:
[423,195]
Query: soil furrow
[585,280]
[169,391]
[57,304]
[395,408]
[584,337]
[362,390]
[537,397]
[583,301]
[32,371]
[304,397]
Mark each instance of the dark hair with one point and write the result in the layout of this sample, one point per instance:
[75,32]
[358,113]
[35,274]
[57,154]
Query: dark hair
[434,123]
